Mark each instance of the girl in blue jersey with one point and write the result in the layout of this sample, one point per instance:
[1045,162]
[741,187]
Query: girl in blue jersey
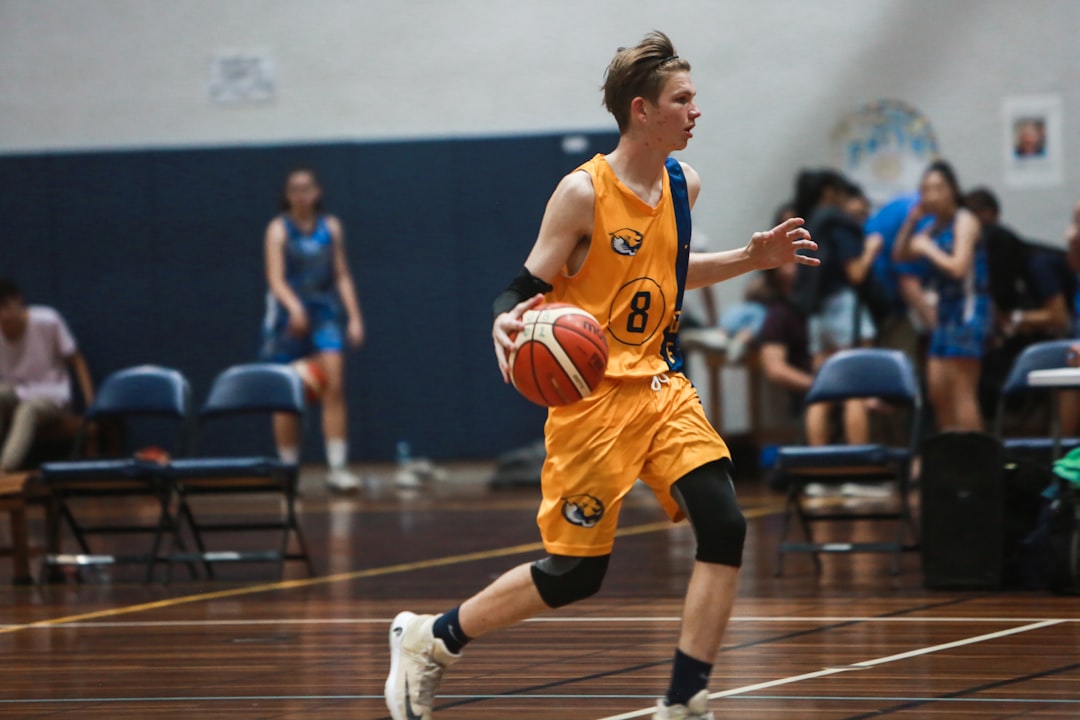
[312,311]
[947,234]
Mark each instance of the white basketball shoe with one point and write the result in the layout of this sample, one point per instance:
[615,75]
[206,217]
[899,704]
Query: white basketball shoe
[417,662]
[696,709]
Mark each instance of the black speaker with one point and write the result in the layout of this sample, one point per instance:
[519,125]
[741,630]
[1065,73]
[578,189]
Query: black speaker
[962,504]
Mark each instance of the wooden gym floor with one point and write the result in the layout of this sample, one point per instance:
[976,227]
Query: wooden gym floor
[852,643]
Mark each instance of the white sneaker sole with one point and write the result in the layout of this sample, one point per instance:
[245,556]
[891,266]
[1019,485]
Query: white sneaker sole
[397,635]
[344,486]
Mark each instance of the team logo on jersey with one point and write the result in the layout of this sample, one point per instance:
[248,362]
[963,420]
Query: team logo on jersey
[626,241]
[582,510]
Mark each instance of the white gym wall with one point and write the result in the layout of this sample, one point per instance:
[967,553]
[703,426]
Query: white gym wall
[774,78]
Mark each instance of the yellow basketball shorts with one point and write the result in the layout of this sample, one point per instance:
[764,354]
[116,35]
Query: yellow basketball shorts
[654,429]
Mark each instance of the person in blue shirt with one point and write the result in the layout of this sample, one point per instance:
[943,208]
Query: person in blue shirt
[900,283]
[312,312]
[941,230]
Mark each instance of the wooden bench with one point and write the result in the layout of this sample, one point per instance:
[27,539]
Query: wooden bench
[18,493]
[13,499]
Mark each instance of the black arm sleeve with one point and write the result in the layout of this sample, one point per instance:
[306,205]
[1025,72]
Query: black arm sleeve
[523,287]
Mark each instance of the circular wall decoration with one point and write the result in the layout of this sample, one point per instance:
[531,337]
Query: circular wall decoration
[884,146]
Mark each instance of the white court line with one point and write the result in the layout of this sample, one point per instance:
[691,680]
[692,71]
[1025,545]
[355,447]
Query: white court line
[855,666]
[526,696]
[539,696]
[591,620]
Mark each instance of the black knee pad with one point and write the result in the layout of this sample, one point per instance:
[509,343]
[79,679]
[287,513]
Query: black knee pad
[562,579]
[707,496]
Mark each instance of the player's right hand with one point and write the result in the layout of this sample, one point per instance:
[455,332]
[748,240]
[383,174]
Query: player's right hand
[506,326]
[298,323]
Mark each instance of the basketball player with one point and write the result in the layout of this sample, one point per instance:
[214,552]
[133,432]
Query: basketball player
[615,241]
[312,310]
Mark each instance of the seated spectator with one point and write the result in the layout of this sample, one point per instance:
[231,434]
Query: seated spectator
[36,350]
[742,322]
[738,324]
[783,341]
[828,296]
[786,361]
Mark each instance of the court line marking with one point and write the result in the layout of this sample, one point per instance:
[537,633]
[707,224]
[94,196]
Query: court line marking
[982,689]
[598,620]
[871,698]
[758,642]
[533,696]
[855,666]
[643,529]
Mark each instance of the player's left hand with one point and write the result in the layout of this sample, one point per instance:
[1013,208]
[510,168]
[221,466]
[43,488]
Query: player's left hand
[779,246]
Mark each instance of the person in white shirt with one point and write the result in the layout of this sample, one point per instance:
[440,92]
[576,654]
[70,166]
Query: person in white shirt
[36,352]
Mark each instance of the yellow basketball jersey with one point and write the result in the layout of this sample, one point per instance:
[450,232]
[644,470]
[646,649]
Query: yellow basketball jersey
[629,280]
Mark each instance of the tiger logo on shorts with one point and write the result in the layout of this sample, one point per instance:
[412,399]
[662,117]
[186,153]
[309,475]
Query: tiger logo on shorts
[582,510]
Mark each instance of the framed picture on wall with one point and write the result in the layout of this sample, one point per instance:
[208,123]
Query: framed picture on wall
[1032,141]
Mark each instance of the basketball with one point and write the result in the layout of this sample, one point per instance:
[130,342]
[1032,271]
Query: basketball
[313,377]
[561,355]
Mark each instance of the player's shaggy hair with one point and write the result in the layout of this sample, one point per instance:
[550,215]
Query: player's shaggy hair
[639,71]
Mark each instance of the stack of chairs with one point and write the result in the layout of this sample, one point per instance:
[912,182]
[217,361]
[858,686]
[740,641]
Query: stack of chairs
[850,374]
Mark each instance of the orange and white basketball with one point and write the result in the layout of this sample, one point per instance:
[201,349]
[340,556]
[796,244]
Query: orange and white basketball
[313,377]
[561,355]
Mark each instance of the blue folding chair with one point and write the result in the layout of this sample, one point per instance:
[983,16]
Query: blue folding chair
[847,375]
[132,397]
[252,390]
[1039,356]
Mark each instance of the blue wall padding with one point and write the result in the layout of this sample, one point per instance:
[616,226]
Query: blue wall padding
[155,256]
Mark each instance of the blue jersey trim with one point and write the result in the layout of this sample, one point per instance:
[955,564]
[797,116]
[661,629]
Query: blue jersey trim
[680,197]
